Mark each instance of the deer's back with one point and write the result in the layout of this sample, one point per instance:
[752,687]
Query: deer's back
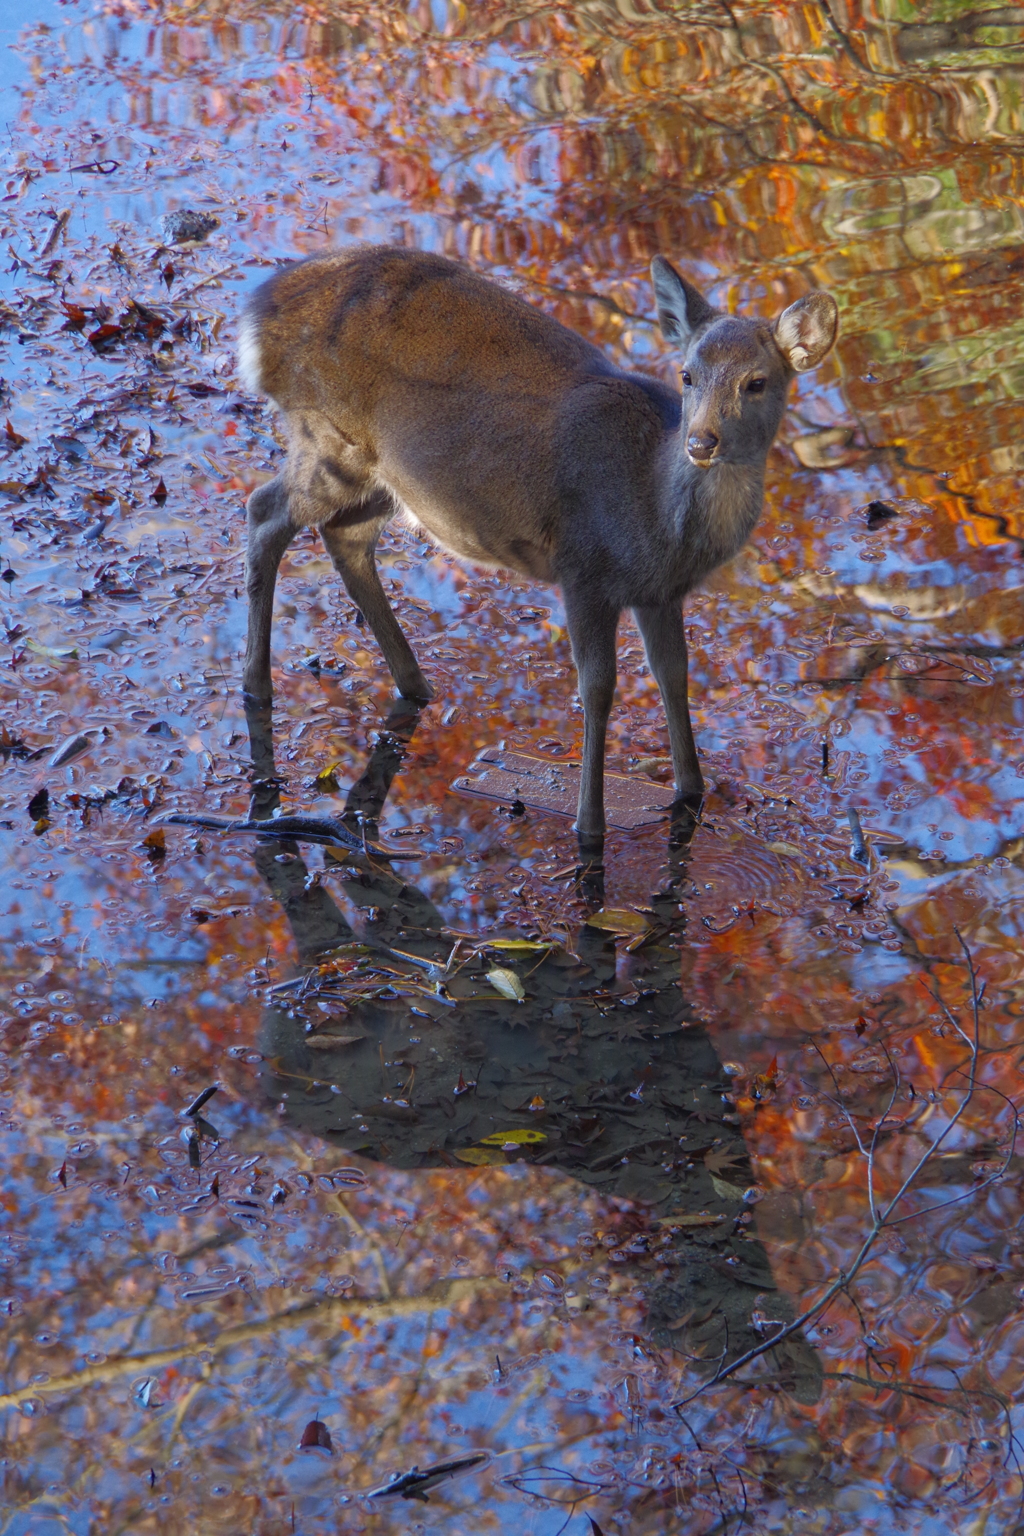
[376,318]
[470,404]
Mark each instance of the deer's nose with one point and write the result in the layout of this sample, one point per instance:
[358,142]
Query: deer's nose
[701,446]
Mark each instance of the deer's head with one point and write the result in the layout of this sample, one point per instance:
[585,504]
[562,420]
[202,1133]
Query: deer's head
[735,371]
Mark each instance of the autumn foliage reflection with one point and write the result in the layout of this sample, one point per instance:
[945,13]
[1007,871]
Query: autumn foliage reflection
[862,654]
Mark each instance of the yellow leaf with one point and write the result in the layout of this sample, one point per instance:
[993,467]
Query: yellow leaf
[55,653]
[512,1138]
[507,983]
[326,778]
[790,848]
[726,1191]
[618,920]
[520,946]
[690,1219]
[481,1157]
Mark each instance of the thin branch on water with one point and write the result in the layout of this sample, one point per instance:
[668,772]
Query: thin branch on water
[881,1219]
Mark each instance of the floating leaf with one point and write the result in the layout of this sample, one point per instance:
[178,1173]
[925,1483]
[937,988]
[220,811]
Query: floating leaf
[618,920]
[481,1157]
[156,843]
[512,1138]
[327,777]
[104,336]
[315,1437]
[507,983]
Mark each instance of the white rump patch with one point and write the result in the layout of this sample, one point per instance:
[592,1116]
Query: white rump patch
[249,361]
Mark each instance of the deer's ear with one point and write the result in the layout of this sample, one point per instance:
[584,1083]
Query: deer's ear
[806,331]
[681,308]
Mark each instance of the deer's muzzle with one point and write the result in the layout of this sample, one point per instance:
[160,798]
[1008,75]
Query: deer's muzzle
[701,448]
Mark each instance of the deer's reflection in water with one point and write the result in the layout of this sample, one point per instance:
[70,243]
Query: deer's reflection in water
[386,1044]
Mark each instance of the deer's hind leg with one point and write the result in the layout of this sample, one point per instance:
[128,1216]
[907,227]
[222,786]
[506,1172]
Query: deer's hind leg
[326,477]
[351,539]
[270,531]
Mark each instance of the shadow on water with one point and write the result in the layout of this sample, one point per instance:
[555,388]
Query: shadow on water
[598,1062]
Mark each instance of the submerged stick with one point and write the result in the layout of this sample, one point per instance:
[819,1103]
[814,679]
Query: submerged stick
[300,829]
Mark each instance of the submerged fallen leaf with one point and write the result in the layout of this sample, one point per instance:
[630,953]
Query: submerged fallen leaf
[512,1138]
[618,920]
[690,1219]
[507,983]
[521,946]
[790,848]
[73,746]
[329,1042]
[481,1157]
[718,1158]
[651,766]
[727,1191]
[52,652]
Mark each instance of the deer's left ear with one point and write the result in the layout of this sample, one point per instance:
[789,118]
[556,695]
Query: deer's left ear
[806,331]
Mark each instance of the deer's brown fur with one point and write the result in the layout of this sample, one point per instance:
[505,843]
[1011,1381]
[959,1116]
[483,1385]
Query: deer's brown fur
[411,383]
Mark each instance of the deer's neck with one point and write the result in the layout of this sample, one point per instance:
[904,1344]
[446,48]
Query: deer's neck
[714,511]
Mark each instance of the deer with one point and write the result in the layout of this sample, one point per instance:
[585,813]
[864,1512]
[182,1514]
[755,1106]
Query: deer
[411,384]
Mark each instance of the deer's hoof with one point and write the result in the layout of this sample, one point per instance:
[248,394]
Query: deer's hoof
[418,691]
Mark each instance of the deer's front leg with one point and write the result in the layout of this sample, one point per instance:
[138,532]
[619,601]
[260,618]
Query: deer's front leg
[270,531]
[665,642]
[592,626]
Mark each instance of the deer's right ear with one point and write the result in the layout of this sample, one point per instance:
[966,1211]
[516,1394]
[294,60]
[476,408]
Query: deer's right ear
[681,308]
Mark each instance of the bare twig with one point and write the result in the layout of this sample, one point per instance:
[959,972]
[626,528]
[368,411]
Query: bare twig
[881,1219]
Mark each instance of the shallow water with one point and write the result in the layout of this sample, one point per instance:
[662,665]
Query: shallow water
[695,1074]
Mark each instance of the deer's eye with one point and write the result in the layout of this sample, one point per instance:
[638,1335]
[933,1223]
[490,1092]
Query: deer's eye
[686,378]
[756,386]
